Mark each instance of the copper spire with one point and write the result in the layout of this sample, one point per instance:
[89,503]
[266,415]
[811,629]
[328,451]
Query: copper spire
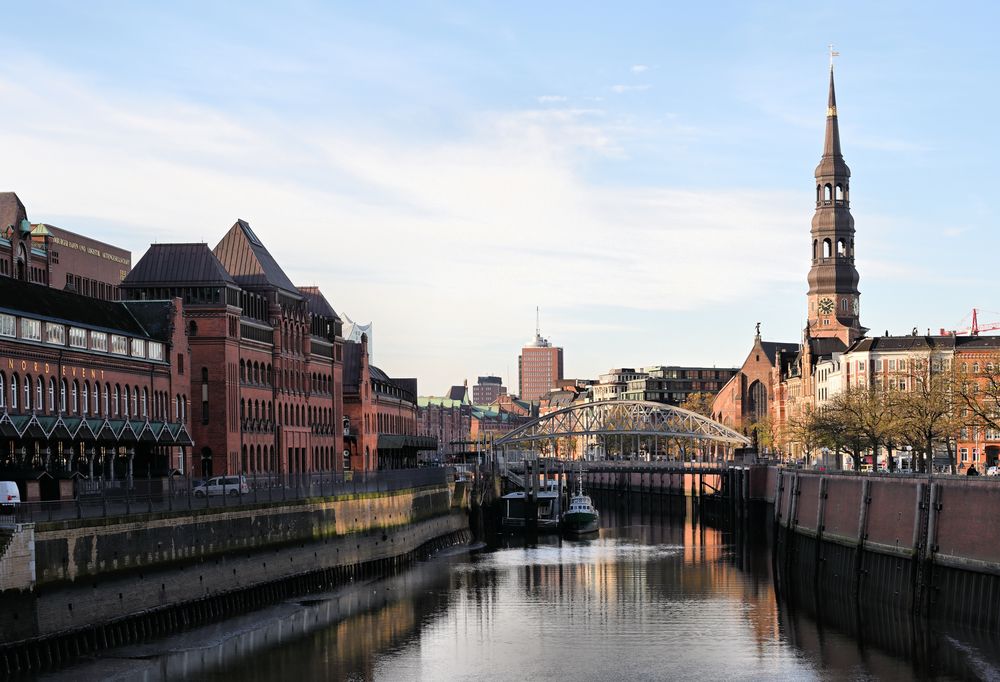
[831,146]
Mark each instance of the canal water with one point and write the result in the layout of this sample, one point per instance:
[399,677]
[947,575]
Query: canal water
[657,594]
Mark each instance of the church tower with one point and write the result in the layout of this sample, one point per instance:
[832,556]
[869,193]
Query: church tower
[833,296]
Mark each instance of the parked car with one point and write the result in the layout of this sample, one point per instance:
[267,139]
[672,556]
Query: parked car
[993,471]
[10,496]
[223,485]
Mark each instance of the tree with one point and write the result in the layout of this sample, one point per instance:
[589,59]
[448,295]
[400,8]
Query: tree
[978,384]
[930,411]
[802,430]
[699,402]
[762,433]
[871,414]
[836,430]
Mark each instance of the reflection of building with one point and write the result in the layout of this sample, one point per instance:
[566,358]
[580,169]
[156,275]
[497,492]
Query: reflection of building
[539,368]
[49,255]
[266,357]
[488,389]
[90,387]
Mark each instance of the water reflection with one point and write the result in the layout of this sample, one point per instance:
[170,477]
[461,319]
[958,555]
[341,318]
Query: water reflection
[658,594]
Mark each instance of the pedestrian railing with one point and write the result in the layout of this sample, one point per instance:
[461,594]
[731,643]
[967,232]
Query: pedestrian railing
[178,493]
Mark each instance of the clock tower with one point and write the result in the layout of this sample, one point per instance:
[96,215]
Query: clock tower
[833,296]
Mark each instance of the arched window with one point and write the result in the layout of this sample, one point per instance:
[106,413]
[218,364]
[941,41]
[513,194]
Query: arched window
[126,396]
[3,387]
[243,409]
[757,401]
[106,402]
[96,396]
[74,401]
[63,390]
[13,391]
[117,400]
[39,394]
[827,192]
[193,328]
[243,371]
[145,403]
[177,407]
[819,193]
[52,394]
[135,402]
[85,403]
[841,247]
[826,248]
[839,194]
[815,245]
[27,392]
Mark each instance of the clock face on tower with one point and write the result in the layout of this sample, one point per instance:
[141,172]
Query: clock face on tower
[826,306]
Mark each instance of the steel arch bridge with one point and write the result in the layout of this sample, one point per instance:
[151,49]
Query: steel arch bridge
[624,418]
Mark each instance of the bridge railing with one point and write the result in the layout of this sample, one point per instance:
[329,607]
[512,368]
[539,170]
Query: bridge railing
[180,493]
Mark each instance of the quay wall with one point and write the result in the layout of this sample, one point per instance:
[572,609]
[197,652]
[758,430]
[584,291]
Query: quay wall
[930,544]
[93,571]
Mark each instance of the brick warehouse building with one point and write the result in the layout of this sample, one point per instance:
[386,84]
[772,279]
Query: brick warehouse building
[87,388]
[380,415]
[55,257]
[266,357]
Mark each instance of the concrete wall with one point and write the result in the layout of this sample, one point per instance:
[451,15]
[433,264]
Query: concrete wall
[930,544]
[97,570]
[17,557]
[69,551]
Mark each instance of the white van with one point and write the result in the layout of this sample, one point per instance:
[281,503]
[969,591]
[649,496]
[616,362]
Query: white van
[9,495]
[223,485]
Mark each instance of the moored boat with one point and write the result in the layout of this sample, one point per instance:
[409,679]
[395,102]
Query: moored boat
[581,516]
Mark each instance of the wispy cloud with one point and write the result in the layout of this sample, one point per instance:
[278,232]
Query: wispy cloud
[549,99]
[621,87]
[394,229]
[639,68]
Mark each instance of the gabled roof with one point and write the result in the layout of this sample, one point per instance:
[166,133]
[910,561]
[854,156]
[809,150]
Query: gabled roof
[12,211]
[826,347]
[244,256]
[903,343]
[771,349]
[188,264]
[317,304]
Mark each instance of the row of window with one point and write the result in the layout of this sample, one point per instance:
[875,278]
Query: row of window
[261,374]
[295,415]
[27,394]
[55,334]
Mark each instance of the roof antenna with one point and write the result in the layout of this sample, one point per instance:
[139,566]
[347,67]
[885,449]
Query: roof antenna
[538,328]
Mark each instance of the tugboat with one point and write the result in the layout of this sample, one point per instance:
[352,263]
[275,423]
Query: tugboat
[581,517]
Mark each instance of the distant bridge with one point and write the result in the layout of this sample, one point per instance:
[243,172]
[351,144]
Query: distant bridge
[624,418]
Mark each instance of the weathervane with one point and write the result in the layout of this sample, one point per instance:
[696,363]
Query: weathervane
[833,53]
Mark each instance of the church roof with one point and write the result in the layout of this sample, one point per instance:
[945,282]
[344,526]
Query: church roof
[826,346]
[244,256]
[188,264]
[771,349]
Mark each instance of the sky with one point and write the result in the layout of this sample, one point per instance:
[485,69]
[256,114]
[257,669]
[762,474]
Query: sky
[642,172]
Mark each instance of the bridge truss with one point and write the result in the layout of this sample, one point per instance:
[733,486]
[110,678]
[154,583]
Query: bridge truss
[624,418]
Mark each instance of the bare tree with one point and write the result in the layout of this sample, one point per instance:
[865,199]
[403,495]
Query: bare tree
[930,410]
[871,413]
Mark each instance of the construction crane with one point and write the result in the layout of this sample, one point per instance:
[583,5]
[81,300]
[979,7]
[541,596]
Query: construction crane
[973,329]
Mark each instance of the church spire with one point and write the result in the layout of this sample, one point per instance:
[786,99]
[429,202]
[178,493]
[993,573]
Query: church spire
[833,297]
[831,146]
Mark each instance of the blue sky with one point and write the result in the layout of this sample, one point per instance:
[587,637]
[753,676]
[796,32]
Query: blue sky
[641,171]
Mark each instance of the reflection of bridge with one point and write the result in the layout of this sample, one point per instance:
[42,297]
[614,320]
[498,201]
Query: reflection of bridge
[634,418]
